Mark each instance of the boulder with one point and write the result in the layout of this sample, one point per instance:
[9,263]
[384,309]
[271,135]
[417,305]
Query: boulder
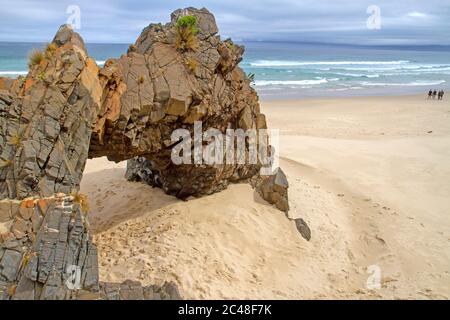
[303,228]
[65,35]
[203,84]
[273,189]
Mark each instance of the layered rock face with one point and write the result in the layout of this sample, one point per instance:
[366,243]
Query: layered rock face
[45,130]
[67,109]
[159,86]
[46,250]
[46,121]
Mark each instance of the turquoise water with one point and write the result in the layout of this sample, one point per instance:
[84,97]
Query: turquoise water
[304,70]
[14,56]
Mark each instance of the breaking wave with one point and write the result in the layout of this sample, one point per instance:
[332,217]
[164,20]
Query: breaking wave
[408,84]
[12,73]
[283,63]
[288,82]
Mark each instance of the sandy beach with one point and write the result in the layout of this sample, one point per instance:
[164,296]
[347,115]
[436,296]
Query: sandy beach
[370,176]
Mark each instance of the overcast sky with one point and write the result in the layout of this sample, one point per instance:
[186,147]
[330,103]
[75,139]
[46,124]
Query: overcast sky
[337,21]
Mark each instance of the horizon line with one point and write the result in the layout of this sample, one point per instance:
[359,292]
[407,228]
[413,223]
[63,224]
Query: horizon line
[278,41]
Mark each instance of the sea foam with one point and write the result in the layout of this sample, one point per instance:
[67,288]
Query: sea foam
[289,82]
[283,63]
[12,73]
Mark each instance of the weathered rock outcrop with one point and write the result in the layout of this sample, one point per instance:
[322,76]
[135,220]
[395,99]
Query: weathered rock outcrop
[134,103]
[67,109]
[45,130]
[46,121]
[46,250]
[158,87]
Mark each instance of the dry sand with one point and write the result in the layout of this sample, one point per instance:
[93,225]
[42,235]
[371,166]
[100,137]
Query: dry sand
[371,177]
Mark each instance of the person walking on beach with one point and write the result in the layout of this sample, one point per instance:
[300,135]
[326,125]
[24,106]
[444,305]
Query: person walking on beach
[430,93]
[434,94]
[441,95]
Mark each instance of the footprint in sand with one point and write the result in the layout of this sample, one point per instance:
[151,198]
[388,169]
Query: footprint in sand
[381,240]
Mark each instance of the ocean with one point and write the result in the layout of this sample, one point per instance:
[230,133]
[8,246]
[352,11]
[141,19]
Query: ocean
[296,70]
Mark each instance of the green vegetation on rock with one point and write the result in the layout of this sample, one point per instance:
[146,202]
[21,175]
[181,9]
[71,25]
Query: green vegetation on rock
[35,58]
[186,30]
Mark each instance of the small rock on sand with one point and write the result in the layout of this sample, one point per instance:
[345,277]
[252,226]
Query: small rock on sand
[303,228]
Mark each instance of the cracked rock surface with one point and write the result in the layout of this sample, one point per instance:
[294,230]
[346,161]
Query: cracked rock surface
[67,109]
[46,128]
[156,88]
[46,250]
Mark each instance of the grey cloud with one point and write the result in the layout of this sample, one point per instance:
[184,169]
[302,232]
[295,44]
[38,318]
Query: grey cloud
[403,21]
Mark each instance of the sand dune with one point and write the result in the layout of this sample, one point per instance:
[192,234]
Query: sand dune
[366,174]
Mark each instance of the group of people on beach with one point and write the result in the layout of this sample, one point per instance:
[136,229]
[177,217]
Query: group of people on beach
[434,93]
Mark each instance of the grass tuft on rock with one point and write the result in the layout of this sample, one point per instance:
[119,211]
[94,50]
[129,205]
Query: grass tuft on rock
[12,290]
[35,58]
[192,64]
[5,163]
[132,48]
[230,44]
[186,33]
[21,81]
[82,199]
[14,140]
[50,49]
[41,76]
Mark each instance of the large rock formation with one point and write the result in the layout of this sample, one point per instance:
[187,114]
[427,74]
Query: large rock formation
[158,87]
[67,109]
[45,130]
[46,121]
